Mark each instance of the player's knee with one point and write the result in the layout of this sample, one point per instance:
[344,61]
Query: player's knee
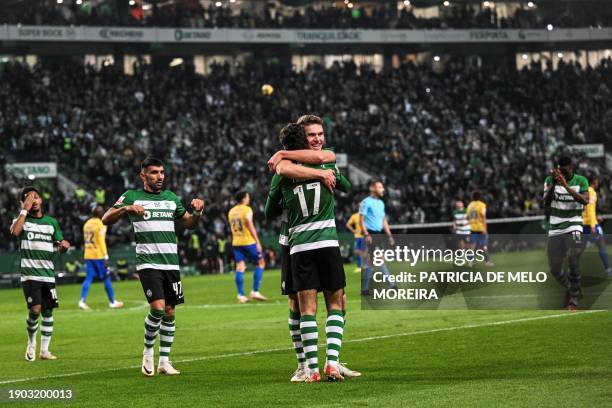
[240,266]
[262,263]
[169,310]
[36,309]
[159,304]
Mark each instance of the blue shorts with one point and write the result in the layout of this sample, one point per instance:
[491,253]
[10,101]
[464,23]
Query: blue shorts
[479,239]
[360,244]
[248,253]
[589,236]
[96,268]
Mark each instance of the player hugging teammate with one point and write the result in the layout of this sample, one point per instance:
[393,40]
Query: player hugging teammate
[311,260]
[39,236]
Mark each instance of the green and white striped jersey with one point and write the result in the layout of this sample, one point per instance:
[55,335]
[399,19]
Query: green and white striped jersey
[460,222]
[310,209]
[566,212]
[156,242]
[37,248]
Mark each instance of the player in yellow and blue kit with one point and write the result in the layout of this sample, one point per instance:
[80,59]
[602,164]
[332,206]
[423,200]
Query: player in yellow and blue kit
[354,225]
[96,257]
[591,228]
[246,246]
[477,218]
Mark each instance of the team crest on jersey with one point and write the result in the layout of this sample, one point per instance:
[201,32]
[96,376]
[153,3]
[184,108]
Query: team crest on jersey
[149,293]
[29,299]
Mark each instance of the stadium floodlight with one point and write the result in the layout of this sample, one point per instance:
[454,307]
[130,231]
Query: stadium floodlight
[436,58]
[531,4]
[550,27]
[446,3]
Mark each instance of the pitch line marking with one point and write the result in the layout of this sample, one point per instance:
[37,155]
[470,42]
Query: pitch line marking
[273,350]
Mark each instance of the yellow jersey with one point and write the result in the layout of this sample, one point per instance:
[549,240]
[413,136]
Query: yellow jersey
[589,215]
[95,239]
[356,225]
[237,216]
[476,213]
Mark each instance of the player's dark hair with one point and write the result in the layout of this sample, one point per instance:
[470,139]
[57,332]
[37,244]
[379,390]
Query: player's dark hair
[240,196]
[97,211]
[592,177]
[374,181]
[25,192]
[293,137]
[150,161]
[564,161]
[476,195]
[307,120]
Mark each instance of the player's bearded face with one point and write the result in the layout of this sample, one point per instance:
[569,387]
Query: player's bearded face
[315,136]
[153,177]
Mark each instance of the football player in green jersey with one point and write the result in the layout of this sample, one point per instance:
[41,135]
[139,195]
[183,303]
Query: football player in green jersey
[565,194]
[315,260]
[152,212]
[39,236]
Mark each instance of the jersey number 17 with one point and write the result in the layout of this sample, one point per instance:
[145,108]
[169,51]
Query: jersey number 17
[299,190]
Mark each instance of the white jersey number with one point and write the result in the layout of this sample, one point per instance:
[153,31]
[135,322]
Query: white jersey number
[299,190]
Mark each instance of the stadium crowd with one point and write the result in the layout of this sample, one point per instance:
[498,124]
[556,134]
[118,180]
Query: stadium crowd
[194,15]
[431,136]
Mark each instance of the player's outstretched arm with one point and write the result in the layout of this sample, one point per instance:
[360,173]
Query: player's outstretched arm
[294,171]
[302,156]
[191,220]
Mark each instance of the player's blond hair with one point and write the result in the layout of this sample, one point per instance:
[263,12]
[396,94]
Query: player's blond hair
[307,120]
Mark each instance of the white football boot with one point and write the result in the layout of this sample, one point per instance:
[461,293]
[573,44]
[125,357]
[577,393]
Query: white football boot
[46,355]
[148,365]
[347,372]
[30,354]
[166,368]
[300,374]
[116,304]
[258,296]
[83,305]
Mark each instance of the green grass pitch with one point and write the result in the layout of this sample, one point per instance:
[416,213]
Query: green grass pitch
[239,355]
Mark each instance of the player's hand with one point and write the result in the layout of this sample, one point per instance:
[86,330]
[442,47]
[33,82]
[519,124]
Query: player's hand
[28,202]
[391,240]
[197,205]
[274,160]
[135,209]
[328,178]
[63,245]
[368,239]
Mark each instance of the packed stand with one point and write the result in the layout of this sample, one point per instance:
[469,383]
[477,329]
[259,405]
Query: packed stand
[594,13]
[432,136]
